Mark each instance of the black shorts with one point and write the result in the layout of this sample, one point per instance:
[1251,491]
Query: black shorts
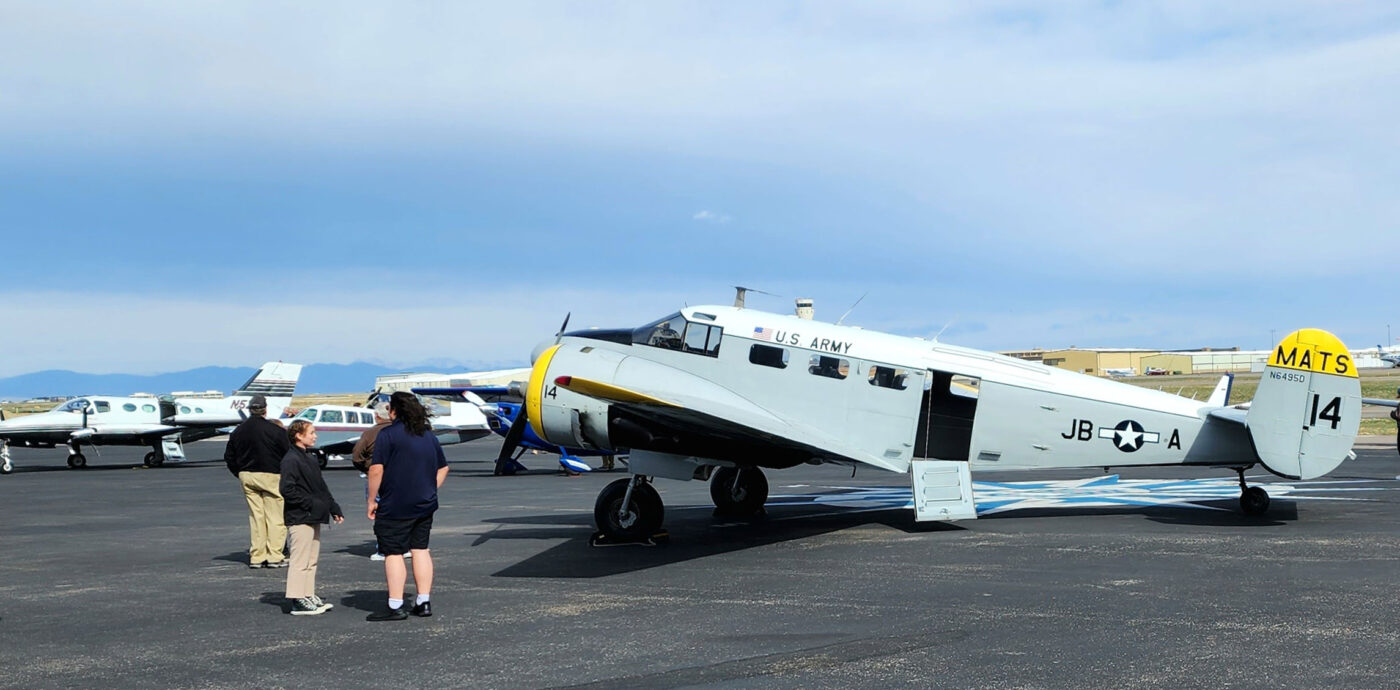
[398,537]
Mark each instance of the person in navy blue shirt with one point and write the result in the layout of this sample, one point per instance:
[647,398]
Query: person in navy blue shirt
[404,476]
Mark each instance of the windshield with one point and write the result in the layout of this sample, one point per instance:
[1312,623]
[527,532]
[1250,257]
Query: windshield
[78,405]
[664,332]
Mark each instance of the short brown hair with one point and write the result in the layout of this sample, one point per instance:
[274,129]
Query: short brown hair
[297,428]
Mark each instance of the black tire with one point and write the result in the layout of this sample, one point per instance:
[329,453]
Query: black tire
[1254,501]
[744,498]
[154,459]
[77,460]
[321,459]
[645,511]
[6,467]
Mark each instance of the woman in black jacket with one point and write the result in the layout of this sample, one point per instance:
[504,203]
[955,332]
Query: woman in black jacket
[307,504]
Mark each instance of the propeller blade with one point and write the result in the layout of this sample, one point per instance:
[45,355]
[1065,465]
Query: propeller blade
[562,327]
[512,441]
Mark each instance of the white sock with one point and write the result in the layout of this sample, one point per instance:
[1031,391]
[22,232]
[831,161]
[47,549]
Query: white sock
[420,599]
[395,603]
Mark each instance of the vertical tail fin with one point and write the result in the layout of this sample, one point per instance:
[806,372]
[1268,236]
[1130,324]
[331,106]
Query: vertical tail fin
[276,381]
[1307,409]
[1220,397]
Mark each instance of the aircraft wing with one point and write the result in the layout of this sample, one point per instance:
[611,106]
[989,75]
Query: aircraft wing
[1230,414]
[722,426]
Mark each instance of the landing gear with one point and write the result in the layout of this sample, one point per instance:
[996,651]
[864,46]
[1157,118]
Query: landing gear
[321,459]
[1254,500]
[629,510]
[739,491]
[6,466]
[155,458]
[77,461]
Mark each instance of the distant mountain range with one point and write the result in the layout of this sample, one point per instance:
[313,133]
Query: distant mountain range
[315,378]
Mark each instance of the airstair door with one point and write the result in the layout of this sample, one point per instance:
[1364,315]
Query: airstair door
[942,490]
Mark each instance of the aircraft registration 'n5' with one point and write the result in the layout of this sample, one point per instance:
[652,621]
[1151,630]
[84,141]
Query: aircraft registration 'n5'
[162,424]
[723,393]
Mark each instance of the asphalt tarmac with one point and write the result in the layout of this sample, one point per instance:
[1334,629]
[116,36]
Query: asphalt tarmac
[118,576]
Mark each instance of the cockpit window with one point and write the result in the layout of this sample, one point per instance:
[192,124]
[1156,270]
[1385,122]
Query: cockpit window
[675,333]
[663,333]
[308,413]
[77,405]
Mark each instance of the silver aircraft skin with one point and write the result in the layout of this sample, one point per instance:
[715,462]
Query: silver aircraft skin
[161,423]
[723,393]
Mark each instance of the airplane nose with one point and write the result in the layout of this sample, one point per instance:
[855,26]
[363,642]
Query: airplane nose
[539,350]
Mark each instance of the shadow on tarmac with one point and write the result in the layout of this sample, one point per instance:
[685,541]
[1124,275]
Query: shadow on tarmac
[696,532]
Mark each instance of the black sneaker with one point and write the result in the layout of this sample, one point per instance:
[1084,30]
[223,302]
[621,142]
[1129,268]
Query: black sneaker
[306,607]
[388,614]
[256,566]
[423,610]
[321,603]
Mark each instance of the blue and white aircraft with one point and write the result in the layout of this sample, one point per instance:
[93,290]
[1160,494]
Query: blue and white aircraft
[501,415]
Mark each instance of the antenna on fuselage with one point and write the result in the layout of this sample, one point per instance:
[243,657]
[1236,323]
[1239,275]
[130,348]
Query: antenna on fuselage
[848,311]
[944,328]
[741,292]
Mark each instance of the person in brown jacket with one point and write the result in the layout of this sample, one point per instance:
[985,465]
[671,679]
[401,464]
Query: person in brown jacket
[364,452]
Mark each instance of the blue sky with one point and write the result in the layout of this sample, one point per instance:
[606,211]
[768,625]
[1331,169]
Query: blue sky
[224,183]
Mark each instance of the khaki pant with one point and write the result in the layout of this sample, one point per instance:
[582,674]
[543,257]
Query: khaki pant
[265,526]
[306,552]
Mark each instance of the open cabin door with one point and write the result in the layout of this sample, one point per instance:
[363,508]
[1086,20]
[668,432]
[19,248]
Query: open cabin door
[945,416]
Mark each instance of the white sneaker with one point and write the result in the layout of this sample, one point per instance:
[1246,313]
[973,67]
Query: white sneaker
[377,556]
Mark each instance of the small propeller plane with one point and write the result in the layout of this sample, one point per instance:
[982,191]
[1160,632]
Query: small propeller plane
[163,424]
[723,393]
[338,427]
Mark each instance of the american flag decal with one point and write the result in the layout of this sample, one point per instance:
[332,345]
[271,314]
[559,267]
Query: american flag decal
[763,333]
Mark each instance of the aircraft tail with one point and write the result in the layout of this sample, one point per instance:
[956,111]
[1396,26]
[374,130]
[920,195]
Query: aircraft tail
[277,381]
[1307,410]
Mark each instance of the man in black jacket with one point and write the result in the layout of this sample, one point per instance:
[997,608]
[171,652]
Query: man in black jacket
[254,455]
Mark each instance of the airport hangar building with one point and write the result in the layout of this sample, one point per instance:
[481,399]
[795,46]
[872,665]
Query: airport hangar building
[1098,361]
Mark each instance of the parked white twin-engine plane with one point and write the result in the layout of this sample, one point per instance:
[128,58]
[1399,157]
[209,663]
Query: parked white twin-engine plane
[723,393]
[104,420]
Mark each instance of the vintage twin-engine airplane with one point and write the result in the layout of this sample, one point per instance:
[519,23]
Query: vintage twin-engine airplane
[338,427]
[162,424]
[724,393]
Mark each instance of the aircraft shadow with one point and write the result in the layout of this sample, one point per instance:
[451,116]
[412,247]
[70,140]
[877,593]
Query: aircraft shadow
[694,532]
[365,600]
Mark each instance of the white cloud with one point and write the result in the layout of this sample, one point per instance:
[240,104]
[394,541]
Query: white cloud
[712,217]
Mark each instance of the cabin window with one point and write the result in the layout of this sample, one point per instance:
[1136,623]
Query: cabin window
[830,367]
[331,416]
[309,413]
[768,356]
[129,407]
[702,339]
[148,408]
[366,418]
[104,406]
[184,410]
[199,410]
[889,377]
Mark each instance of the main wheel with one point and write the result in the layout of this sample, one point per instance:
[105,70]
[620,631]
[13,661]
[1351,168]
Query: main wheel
[321,459]
[77,460]
[6,467]
[154,459]
[739,493]
[1254,501]
[642,517]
